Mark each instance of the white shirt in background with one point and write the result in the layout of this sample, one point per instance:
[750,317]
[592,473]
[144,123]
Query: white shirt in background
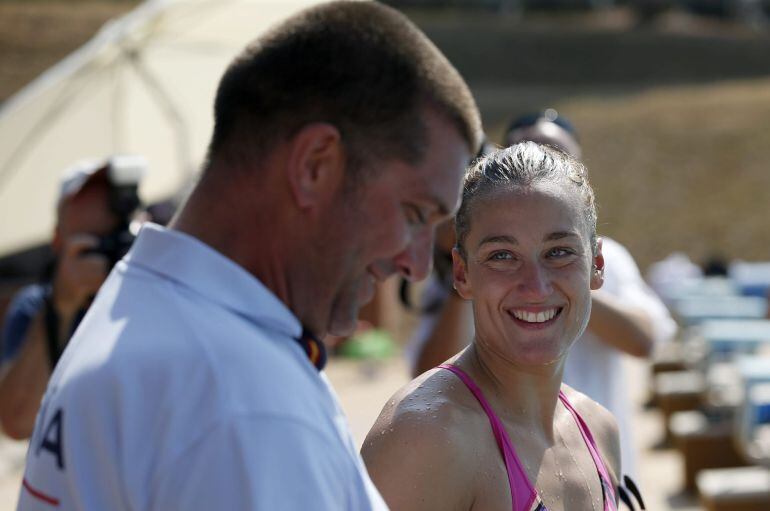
[594,367]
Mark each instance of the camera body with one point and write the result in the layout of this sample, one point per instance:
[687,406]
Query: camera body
[114,245]
[123,172]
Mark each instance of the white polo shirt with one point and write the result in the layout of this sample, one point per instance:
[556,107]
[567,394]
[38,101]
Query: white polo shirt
[184,388]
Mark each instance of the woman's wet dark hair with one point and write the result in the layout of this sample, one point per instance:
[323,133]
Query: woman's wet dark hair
[523,165]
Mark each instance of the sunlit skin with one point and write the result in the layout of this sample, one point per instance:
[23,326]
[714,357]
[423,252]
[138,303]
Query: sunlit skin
[528,252]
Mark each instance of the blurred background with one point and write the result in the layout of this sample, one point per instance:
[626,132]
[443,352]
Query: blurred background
[671,100]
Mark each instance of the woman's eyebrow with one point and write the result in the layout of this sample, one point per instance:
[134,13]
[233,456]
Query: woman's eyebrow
[505,238]
[499,238]
[561,235]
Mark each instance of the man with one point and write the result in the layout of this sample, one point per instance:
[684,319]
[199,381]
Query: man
[340,140]
[43,316]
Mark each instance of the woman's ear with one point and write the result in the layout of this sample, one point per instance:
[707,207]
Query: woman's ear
[460,275]
[597,271]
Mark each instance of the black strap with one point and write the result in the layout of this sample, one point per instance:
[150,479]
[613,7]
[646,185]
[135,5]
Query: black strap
[51,330]
[631,487]
[625,498]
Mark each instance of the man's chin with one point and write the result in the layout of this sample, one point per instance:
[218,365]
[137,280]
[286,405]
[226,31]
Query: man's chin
[343,328]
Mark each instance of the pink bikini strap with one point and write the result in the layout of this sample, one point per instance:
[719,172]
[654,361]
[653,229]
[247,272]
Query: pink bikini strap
[523,494]
[594,450]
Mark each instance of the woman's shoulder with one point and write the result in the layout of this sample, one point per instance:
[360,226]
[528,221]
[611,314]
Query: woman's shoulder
[602,425]
[420,441]
[435,404]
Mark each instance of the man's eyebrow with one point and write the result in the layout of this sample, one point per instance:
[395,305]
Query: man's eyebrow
[441,206]
[500,238]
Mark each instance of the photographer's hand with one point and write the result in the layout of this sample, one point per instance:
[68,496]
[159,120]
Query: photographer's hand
[79,274]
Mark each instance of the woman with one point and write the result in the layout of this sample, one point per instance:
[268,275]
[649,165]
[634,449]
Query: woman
[494,428]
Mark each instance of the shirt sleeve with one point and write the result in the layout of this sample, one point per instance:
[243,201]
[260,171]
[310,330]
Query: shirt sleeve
[22,310]
[261,463]
[629,286]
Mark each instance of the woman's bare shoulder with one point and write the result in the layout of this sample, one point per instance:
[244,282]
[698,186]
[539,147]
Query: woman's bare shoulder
[603,427]
[417,452]
[429,409]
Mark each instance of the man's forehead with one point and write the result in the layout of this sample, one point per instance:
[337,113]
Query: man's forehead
[442,186]
[446,160]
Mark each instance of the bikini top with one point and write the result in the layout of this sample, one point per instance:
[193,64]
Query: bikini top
[523,494]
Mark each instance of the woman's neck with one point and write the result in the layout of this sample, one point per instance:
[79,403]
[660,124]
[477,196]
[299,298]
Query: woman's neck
[525,396]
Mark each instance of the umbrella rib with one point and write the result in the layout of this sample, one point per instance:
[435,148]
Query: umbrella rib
[45,122]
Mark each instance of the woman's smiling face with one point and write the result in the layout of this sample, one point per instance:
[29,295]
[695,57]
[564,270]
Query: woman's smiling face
[529,270]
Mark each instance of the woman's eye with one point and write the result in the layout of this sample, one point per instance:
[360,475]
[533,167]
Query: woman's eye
[560,252]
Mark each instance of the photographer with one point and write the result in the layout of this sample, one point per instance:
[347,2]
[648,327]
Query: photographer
[94,209]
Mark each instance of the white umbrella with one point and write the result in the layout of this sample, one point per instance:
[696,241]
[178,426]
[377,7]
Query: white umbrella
[144,84]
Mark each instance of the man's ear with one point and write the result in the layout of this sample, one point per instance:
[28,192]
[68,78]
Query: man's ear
[597,271]
[315,164]
[460,275]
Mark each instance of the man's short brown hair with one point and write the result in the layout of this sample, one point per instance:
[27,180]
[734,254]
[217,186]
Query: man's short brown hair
[361,66]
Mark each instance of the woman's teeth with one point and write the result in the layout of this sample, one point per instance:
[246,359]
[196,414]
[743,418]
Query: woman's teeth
[535,317]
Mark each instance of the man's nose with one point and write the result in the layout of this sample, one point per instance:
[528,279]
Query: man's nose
[416,260]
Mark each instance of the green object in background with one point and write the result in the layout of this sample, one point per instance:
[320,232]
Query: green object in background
[369,344]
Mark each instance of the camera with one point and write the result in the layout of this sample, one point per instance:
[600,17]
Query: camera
[123,174]
[114,245]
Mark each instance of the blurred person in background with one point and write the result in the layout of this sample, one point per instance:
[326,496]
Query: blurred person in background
[196,380]
[97,199]
[627,317]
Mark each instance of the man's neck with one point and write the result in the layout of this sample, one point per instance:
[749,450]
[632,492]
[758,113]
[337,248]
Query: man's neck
[268,249]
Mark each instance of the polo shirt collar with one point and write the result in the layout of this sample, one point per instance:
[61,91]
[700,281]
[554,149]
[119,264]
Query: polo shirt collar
[195,265]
